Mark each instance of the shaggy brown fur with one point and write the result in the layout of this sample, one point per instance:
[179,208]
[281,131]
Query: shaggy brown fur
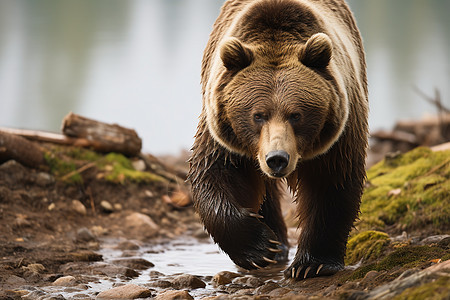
[284,96]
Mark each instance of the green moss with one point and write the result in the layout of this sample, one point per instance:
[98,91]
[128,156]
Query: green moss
[421,179]
[119,169]
[61,168]
[436,290]
[367,245]
[406,257]
[82,154]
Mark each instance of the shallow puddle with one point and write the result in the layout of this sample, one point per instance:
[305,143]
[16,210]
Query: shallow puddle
[184,255]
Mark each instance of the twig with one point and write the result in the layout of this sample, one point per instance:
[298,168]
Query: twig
[79,170]
[436,101]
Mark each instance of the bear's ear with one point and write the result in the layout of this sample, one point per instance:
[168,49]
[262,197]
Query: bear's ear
[235,56]
[317,51]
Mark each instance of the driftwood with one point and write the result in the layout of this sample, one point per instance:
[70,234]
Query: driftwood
[21,150]
[102,137]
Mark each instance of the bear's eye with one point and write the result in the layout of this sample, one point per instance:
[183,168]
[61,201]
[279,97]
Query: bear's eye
[259,117]
[294,117]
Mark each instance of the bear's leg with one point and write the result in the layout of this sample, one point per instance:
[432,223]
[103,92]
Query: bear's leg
[327,209]
[227,192]
[273,217]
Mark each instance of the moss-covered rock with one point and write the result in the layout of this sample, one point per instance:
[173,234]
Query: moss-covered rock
[119,169]
[405,257]
[367,245]
[410,191]
[435,290]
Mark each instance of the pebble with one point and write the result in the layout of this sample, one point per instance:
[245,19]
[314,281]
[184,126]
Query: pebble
[34,268]
[85,235]
[127,245]
[65,281]
[187,282]
[224,277]
[174,295]
[44,179]
[134,263]
[15,280]
[248,281]
[113,270]
[128,291]
[78,207]
[139,165]
[141,226]
[106,206]
[267,288]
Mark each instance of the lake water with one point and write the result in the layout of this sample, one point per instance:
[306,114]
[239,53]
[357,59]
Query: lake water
[137,62]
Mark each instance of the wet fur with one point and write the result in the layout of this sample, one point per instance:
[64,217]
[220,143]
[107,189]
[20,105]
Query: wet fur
[229,189]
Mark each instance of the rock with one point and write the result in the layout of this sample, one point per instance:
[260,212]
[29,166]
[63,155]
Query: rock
[15,280]
[224,277]
[267,288]
[248,281]
[187,282]
[34,268]
[106,206]
[164,284]
[65,281]
[85,235]
[408,282]
[370,276]
[134,263]
[434,239]
[86,255]
[113,270]
[117,206]
[51,206]
[277,293]
[174,295]
[127,245]
[128,291]
[139,165]
[78,207]
[44,179]
[141,226]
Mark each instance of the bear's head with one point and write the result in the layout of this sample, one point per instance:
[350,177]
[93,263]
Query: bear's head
[277,104]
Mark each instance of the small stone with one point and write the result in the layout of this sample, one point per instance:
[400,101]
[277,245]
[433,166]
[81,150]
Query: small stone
[51,207]
[44,179]
[127,245]
[34,268]
[135,263]
[141,226]
[85,235]
[187,282]
[248,281]
[106,206]
[86,255]
[224,277]
[65,281]
[279,292]
[139,165]
[78,207]
[149,193]
[370,276]
[163,284]
[15,280]
[117,206]
[128,291]
[174,295]
[113,270]
[267,288]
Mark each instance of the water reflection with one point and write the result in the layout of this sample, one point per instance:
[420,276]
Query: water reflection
[137,62]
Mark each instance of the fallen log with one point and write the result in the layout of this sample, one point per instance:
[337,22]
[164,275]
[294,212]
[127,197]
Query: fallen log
[21,150]
[102,137]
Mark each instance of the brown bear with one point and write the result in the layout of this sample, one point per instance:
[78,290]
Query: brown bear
[284,99]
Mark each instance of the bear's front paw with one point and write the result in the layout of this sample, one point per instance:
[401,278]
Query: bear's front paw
[254,246]
[308,268]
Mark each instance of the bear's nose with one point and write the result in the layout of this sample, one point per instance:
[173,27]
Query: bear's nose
[277,160]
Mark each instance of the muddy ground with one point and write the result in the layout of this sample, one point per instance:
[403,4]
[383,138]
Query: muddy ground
[88,226]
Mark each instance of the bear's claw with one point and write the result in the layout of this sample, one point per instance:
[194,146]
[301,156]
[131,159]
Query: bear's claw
[310,270]
[256,216]
[270,260]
